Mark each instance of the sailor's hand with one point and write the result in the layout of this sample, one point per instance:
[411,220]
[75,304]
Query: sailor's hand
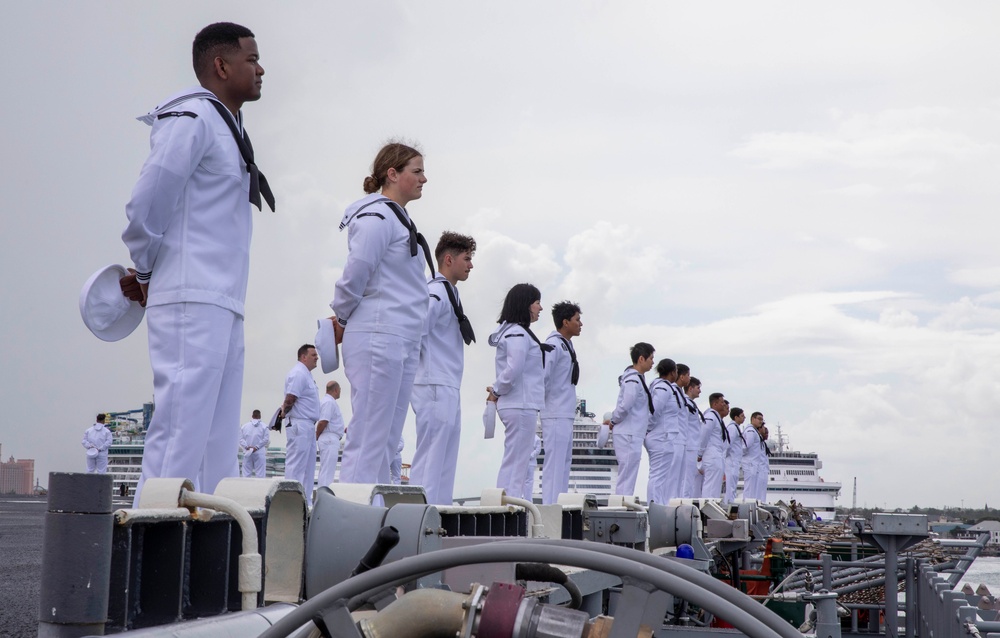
[338,330]
[607,422]
[132,289]
[490,396]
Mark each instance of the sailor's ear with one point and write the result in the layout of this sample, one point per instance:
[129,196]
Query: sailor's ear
[219,68]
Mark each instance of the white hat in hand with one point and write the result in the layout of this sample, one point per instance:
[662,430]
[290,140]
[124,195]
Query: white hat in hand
[326,345]
[105,310]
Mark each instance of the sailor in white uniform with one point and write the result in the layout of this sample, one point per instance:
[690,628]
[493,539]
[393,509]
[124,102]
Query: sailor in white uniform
[329,432]
[753,458]
[663,432]
[695,420]
[630,418]
[301,407]
[380,303]
[712,447]
[519,388]
[735,451]
[97,441]
[188,234]
[764,460]
[673,486]
[254,439]
[436,396]
[562,372]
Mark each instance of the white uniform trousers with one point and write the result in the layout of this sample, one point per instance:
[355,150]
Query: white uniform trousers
[713,468]
[557,441]
[760,485]
[329,448]
[300,454]
[673,483]
[732,478]
[691,476]
[749,483]
[439,430]
[518,441]
[98,464]
[628,451]
[380,368]
[254,463]
[196,352]
[659,462]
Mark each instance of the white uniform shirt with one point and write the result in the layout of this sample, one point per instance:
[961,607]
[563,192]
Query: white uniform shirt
[713,444]
[442,350]
[189,219]
[300,384]
[520,380]
[737,445]
[254,434]
[755,451]
[631,414]
[666,406]
[694,423]
[97,436]
[329,411]
[383,287]
[560,393]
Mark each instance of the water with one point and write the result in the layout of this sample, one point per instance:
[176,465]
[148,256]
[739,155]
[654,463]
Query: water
[984,570]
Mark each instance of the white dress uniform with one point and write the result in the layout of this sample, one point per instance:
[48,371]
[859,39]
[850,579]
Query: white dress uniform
[692,477]
[763,471]
[752,464]
[557,416]
[381,300]
[712,450]
[300,452]
[254,434]
[328,442]
[661,439]
[630,420]
[734,458]
[520,386]
[676,444]
[97,437]
[436,397]
[188,234]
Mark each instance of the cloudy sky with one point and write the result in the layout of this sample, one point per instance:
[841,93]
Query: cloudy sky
[794,199]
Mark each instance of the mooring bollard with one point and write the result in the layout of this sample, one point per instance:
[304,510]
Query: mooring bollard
[76,556]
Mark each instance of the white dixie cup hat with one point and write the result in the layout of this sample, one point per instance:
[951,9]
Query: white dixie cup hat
[326,345]
[105,310]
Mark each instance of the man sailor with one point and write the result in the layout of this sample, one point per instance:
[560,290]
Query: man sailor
[630,418]
[712,446]
[764,471]
[695,420]
[254,439]
[734,453]
[664,431]
[752,458]
[436,396]
[97,440]
[188,234]
[329,432]
[301,407]
[562,372]
[673,486]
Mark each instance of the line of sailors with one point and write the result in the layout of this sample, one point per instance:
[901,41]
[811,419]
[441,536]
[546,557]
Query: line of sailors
[691,453]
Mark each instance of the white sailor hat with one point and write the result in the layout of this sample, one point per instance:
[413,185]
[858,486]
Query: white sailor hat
[105,310]
[605,433]
[92,452]
[326,345]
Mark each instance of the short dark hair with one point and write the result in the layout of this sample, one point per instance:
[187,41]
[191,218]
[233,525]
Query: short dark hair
[665,367]
[682,370]
[641,349]
[735,412]
[756,414]
[213,39]
[255,414]
[455,244]
[100,418]
[694,382]
[715,396]
[564,311]
[304,348]
[517,304]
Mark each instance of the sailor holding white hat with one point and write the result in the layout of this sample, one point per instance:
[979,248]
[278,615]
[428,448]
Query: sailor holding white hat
[97,440]
[631,416]
[254,439]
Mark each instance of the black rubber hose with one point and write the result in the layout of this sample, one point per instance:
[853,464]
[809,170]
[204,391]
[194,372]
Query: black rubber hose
[385,540]
[545,573]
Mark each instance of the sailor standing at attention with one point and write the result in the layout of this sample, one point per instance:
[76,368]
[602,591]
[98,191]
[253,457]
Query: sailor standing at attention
[519,389]
[631,416]
[663,431]
[436,396]
[764,461]
[329,432]
[692,477]
[734,453]
[380,303]
[712,447]
[97,441]
[301,406]
[254,439]
[562,372]
[752,458]
[673,486]
[188,233]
